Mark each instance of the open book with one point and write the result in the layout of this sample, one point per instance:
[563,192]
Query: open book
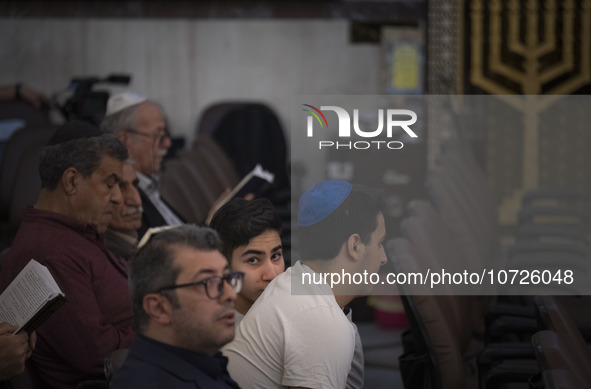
[30,298]
[255,182]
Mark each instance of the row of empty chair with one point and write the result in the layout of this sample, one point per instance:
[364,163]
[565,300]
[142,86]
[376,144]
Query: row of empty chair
[456,340]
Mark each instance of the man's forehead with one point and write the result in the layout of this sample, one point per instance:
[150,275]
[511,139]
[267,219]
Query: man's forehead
[109,169]
[110,165]
[128,173]
[268,234]
[195,260]
[268,237]
[149,112]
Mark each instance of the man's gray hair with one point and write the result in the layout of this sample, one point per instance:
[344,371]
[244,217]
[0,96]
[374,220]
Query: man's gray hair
[151,267]
[84,154]
[119,121]
[126,119]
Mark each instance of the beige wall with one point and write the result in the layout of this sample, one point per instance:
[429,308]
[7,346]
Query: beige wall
[188,64]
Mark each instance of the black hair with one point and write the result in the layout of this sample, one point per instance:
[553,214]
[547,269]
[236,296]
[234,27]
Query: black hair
[239,220]
[84,154]
[151,267]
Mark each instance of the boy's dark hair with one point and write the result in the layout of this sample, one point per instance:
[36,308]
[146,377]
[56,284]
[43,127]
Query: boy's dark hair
[239,221]
[358,214]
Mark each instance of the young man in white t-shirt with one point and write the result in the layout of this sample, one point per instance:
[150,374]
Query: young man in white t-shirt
[297,335]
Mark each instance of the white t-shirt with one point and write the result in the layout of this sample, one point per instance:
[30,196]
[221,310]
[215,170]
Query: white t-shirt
[237,318]
[355,379]
[292,340]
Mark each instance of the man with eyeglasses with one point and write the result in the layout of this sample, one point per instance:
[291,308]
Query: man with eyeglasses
[141,125]
[183,296]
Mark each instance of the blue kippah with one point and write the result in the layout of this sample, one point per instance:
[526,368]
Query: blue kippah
[321,200]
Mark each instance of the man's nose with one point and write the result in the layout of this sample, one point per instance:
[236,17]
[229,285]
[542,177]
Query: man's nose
[132,197]
[116,196]
[228,293]
[165,142]
[270,271]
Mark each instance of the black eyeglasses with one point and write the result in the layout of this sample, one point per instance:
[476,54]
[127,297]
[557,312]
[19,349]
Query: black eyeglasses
[156,138]
[214,286]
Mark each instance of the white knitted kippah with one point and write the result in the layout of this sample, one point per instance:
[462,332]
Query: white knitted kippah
[123,100]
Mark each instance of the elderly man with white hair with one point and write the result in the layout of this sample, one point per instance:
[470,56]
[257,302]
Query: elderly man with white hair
[141,125]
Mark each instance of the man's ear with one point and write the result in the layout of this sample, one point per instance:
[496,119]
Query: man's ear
[354,246]
[123,136]
[158,308]
[70,179]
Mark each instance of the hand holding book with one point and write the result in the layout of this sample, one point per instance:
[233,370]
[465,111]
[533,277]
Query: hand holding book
[253,185]
[30,298]
[14,350]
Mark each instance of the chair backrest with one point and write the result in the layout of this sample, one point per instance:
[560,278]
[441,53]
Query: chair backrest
[22,147]
[552,315]
[561,346]
[212,115]
[458,207]
[194,181]
[216,161]
[419,365]
[556,352]
[456,153]
[434,249]
[184,193]
[249,133]
[18,109]
[460,191]
[562,379]
[435,326]
[27,185]
[441,249]
[434,234]
[553,215]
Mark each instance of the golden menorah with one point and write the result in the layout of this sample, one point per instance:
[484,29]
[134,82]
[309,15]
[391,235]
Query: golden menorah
[505,20]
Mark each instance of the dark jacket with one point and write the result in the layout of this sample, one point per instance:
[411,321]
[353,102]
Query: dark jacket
[151,364]
[151,217]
